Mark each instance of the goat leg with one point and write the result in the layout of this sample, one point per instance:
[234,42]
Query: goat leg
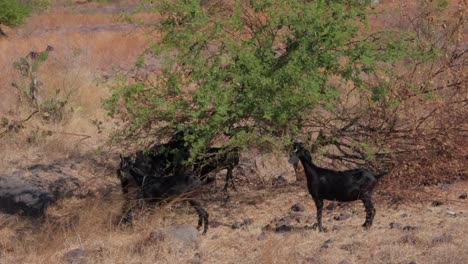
[229,179]
[370,210]
[131,201]
[127,217]
[319,205]
[202,215]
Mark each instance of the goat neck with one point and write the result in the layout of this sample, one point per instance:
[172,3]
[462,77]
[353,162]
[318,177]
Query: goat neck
[309,167]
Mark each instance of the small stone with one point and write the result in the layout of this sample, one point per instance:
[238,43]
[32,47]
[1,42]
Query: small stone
[283,229]
[451,213]
[437,203]
[404,215]
[76,256]
[344,261]
[412,262]
[182,237]
[395,225]
[463,196]
[298,208]
[284,221]
[279,181]
[331,206]
[341,217]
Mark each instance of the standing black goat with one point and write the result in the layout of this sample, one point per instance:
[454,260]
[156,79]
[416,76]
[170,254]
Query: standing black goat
[139,187]
[344,186]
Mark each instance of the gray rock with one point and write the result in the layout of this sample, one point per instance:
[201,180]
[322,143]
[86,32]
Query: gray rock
[283,229]
[76,256]
[286,220]
[342,217]
[298,208]
[451,213]
[30,191]
[331,206]
[183,236]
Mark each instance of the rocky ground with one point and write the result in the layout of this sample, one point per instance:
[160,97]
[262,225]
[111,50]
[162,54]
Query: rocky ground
[259,224]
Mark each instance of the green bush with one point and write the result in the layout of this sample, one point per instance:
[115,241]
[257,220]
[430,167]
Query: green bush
[259,71]
[12,12]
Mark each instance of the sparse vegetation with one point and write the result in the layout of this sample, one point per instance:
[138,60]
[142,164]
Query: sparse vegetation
[408,114]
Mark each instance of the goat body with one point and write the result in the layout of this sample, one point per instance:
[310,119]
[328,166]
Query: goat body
[176,153]
[139,187]
[344,186]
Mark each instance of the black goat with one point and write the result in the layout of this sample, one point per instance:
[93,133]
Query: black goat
[344,186]
[215,159]
[176,153]
[139,187]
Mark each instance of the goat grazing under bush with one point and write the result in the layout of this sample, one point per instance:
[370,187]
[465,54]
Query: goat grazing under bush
[344,186]
[139,187]
[216,159]
[177,152]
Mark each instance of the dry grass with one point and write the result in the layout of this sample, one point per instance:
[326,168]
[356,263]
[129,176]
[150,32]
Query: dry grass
[85,46]
[89,225]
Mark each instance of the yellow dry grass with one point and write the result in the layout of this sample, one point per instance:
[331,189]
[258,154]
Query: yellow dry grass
[85,46]
[90,226]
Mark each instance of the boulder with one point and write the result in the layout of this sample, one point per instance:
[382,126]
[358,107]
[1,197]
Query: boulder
[182,237]
[30,191]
